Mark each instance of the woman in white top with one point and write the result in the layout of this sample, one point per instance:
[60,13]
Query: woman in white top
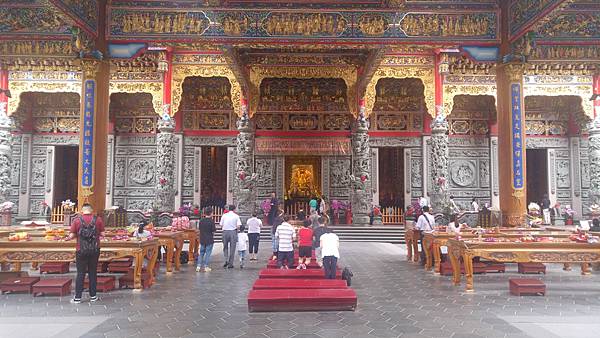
[475,205]
[254,225]
[454,226]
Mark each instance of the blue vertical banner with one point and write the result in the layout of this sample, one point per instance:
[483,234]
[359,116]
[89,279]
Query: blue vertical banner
[88,133]
[517,141]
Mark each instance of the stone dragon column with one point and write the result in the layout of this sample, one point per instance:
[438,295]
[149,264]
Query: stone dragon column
[439,165]
[245,177]
[5,153]
[165,166]
[594,159]
[362,196]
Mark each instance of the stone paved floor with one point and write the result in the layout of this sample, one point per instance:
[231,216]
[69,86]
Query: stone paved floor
[396,299]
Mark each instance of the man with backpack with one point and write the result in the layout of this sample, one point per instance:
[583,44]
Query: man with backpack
[87,228]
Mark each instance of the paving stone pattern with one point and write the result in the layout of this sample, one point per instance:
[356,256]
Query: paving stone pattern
[395,299]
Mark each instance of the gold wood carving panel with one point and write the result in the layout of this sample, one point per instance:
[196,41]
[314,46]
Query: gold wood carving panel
[180,72]
[348,74]
[154,88]
[582,90]
[19,87]
[425,74]
[450,91]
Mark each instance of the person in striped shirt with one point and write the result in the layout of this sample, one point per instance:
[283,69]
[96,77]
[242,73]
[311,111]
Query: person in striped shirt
[285,235]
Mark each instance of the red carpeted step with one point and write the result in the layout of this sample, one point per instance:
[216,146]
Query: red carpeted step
[55,267]
[293,273]
[296,283]
[103,283]
[526,286]
[19,284]
[52,286]
[302,300]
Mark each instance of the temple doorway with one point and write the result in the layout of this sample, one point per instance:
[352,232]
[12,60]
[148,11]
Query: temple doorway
[537,175]
[66,165]
[214,176]
[302,182]
[391,177]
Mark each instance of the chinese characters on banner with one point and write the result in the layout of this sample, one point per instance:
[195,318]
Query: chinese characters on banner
[88,133]
[517,141]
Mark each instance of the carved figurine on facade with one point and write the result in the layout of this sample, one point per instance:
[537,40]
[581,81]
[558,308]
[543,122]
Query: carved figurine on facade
[6,126]
[165,165]
[594,160]
[439,164]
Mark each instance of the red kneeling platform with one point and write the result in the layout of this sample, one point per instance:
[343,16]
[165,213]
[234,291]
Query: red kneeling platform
[526,286]
[103,284]
[21,284]
[478,268]
[531,268]
[494,267]
[120,266]
[295,283]
[126,281]
[52,286]
[302,300]
[272,264]
[293,273]
[55,267]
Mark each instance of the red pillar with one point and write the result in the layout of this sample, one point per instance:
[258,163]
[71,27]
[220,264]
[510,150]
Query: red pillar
[3,87]
[167,80]
[597,95]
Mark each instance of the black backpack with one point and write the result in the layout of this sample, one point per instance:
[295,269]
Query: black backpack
[347,276]
[184,258]
[88,241]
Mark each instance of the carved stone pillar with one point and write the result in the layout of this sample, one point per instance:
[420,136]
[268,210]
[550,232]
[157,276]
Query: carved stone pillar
[594,159]
[511,144]
[439,165]
[245,177]
[362,195]
[165,166]
[5,153]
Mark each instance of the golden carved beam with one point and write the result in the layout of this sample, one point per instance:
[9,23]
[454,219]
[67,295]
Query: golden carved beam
[234,62]
[452,90]
[373,61]
[425,74]
[583,90]
[180,72]
[154,88]
[346,73]
[19,87]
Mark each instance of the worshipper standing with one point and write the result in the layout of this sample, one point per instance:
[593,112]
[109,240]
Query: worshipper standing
[546,209]
[423,202]
[301,215]
[454,227]
[453,206]
[317,233]
[474,205]
[314,219]
[207,228]
[274,242]
[323,207]
[242,245]
[87,229]
[285,234]
[330,249]
[595,225]
[254,224]
[555,213]
[313,204]
[425,223]
[305,235]
[46,211]
[230,222]
[274,209]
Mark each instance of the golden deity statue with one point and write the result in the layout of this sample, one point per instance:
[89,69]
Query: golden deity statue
[302,181]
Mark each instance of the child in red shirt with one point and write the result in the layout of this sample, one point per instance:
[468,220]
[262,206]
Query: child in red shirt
[305,245]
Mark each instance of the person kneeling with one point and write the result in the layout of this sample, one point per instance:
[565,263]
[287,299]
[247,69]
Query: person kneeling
[330,249]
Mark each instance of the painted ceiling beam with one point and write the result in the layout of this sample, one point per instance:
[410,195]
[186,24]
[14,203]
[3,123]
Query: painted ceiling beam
[372,63]
[89,26]
[543,15]
[234,62]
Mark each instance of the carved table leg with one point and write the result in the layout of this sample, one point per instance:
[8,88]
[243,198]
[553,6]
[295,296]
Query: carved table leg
[138,260]
[437,257]
[585,269]
[409,247]
[178,248]
[468,262]
[170,249]
[567,267]
[152,260]
[454,260]
[426,246]
[193,248]
[416,255]
[16,267]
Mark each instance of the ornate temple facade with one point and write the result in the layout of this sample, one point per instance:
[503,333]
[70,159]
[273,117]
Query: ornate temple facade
[145,104]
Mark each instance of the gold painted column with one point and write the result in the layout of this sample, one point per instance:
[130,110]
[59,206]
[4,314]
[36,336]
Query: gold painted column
[94,125]
[511,140]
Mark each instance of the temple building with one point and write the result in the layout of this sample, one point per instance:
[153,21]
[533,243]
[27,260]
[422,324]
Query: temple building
[156,104]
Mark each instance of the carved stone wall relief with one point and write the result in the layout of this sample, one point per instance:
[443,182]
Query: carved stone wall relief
[141,171]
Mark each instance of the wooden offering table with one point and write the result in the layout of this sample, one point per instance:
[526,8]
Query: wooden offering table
[557,251]
[411,236]
[435,240]
[193,238]
[40,250]
[173,241]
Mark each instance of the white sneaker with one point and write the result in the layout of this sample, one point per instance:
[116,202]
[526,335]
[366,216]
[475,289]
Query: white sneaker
[94,299]
[198,269]
[207,269]
[299,267]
